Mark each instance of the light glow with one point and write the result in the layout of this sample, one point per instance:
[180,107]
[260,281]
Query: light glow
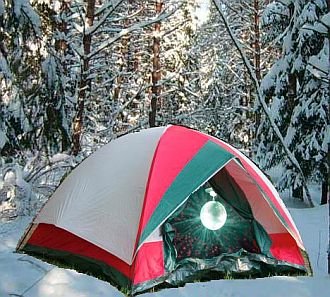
[213,215]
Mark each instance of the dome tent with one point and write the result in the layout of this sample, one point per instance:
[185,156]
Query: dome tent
[130,213]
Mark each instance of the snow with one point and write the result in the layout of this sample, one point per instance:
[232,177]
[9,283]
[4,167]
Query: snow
[60,157]
[326,19]
[319,64]
[22,275]
[23,8]
[2,7]
[273,12]
[4,68]
[289,135]
[326,139]
[49,69]
[3,139]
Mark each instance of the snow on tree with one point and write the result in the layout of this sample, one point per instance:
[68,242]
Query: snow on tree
[181,89]
[225,87]
[297,93]
[111,54]
[32,113]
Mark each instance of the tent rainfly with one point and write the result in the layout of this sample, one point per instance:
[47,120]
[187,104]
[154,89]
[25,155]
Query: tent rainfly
[166,206]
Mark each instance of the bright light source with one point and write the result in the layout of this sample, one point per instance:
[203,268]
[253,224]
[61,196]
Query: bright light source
[213,215]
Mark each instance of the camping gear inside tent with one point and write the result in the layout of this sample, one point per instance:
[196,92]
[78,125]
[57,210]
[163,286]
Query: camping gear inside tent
[166,206]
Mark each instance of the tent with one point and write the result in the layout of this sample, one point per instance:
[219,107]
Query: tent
[131,214]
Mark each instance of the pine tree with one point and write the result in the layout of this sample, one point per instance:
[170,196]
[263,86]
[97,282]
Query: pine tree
[32,114]
[297,94]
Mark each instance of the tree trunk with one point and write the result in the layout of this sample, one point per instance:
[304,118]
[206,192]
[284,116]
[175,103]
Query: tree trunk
[257,39]
[156,74]
[123,56]
[324,193]
[328,2]
[257,54]
[61,44]
[84,85]
[61,47]
[298,193]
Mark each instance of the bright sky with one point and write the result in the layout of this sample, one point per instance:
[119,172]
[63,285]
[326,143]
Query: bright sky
[202,12]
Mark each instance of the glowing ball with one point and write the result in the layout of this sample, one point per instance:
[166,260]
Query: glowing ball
[213,215]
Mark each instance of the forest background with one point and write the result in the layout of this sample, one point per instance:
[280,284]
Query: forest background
[76,74]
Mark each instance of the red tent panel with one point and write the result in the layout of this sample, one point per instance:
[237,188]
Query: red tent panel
[175,149]
[149,262]
[285,248]
[54,238]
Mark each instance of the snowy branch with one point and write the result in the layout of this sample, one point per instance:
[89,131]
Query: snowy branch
[262,102]
[113,7]
[130,29]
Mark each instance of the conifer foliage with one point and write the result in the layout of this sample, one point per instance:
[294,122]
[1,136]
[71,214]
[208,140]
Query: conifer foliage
[297,90]
[32,114]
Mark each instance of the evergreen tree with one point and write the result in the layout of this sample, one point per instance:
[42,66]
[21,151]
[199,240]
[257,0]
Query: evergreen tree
[298,93]
[32,115]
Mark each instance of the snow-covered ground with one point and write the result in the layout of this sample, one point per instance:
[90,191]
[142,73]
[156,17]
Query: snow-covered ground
[25,276]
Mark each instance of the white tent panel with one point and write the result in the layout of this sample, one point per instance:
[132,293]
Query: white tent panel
[101,200]
[260,208]
[297,235]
